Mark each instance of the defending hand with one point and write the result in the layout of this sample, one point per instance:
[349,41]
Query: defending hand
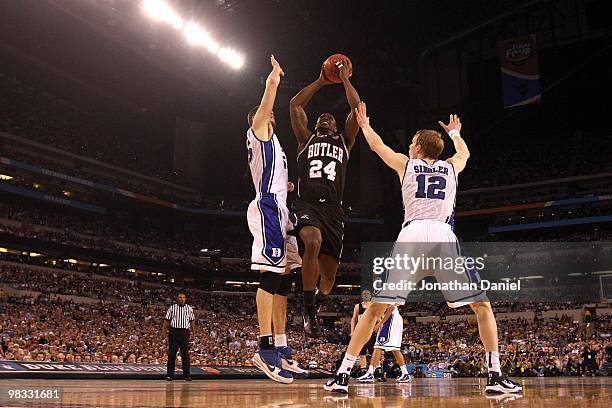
[453,123]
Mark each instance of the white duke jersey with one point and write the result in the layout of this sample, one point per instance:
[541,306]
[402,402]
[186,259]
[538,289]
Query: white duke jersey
[268,165]
[429,190]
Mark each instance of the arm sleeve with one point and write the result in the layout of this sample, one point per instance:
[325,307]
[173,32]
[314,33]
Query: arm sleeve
[169,313]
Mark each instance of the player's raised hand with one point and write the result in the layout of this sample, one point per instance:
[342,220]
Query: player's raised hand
[322,78]
[277,72]
[454,123]
[362,116]
[344,70]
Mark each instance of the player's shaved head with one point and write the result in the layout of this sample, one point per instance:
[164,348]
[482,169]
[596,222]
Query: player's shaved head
[326,123]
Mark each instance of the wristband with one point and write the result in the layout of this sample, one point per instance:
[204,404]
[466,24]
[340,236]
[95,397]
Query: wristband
[453,132]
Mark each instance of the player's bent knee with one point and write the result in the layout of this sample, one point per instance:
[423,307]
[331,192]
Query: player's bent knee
[285,285]
[311,237]
[270,282]
[375,310]
[313,241]
[481,307]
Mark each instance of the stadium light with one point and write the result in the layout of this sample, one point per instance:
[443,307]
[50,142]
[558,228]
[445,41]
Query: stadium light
[159,10]
[195,35]
[231,57]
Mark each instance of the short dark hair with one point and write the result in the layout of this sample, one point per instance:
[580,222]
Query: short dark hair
[251,115]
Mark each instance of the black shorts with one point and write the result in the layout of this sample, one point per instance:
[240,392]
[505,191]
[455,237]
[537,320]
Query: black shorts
[329,219]
[368,348]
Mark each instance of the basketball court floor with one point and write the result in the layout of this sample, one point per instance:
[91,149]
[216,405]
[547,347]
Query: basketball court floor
[539,392]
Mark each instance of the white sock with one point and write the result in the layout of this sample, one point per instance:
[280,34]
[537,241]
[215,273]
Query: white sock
[280,340]
[347,364]
[404,369]
[493,362]
[371,369]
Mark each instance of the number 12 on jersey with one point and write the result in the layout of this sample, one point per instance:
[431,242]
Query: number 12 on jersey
[435,187]
[329,170]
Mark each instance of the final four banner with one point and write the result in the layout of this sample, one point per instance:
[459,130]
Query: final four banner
[520,71]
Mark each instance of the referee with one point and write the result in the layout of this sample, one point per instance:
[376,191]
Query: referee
[181,320]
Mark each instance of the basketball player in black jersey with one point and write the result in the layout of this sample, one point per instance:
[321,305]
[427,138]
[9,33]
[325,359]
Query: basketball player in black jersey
[322,164]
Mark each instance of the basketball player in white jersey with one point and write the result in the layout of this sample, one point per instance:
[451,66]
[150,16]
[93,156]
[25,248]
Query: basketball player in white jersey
[388,338]
[274,253]
[428,190]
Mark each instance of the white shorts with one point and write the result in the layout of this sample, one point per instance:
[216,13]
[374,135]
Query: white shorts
[389,336]
[432,239]
[273,250]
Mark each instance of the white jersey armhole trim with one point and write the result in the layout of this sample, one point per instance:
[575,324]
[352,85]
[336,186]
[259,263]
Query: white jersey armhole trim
[255,136]
[306,145]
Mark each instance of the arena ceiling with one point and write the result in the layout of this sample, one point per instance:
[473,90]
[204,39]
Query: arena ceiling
[108,51]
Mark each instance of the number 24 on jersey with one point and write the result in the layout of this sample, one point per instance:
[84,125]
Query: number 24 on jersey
[329,170]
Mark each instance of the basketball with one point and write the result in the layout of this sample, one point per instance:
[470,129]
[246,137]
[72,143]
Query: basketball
[331,70]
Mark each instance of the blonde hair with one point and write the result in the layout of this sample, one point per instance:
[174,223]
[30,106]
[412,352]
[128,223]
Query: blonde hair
[431,142]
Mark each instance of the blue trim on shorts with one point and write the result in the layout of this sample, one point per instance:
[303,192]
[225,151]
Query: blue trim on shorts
[267,177]
[272,230]
[385,332]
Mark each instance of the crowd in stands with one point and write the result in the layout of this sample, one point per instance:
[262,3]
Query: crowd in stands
[226,333]
[528,348]
[105,233]
[583,154]
[122,325]
[37,115]
[82,172]
[64,331]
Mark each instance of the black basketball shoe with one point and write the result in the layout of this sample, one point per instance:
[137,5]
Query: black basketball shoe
[339,384]
[500,384]
[311,323]
[380,375]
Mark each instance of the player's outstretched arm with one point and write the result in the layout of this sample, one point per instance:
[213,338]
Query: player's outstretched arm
[351,127]
[453,128]
[396,161]
[261,120]
[299,119]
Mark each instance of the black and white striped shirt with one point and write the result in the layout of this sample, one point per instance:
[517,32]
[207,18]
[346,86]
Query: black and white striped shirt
[180,317]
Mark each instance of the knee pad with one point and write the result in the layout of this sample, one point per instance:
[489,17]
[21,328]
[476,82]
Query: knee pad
[285,285]
[270,282]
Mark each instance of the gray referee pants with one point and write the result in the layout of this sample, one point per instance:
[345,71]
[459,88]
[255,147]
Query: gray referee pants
[178,339]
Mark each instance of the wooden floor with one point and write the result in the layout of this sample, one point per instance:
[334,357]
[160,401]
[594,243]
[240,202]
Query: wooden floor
[538,392]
